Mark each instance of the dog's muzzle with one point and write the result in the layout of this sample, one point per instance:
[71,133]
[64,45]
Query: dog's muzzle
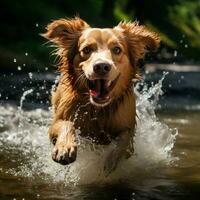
[99,89]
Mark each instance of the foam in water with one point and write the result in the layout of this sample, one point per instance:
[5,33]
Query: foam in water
[26,136]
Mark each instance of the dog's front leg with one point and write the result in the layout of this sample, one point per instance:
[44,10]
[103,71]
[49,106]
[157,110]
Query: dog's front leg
[62,135]
[116,154]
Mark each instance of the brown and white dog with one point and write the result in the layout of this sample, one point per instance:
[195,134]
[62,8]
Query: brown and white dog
[95,92]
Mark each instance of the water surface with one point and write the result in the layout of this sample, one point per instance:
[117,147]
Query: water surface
[165,165]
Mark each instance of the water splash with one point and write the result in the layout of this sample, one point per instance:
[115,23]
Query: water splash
[53,88]
[157,138]
[28,140]
[27,92]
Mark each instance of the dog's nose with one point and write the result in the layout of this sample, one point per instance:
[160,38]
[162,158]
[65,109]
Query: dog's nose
[102,68]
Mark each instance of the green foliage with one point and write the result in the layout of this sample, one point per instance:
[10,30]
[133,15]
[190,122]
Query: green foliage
[186,17]
[176,21]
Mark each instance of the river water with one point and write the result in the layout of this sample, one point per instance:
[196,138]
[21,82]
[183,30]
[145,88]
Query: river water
[165,165]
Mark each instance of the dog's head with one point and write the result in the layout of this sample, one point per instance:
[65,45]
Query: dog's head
[101,61]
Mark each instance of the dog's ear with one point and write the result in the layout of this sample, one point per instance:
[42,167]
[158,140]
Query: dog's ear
[139,40]
[63,31]
[65,34]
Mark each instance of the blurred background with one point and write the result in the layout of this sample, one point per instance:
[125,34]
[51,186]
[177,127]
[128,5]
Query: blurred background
[176,21]
[24,52]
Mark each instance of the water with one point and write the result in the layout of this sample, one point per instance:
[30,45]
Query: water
[165,164]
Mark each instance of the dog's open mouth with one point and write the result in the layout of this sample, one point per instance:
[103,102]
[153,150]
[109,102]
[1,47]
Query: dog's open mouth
[99,89]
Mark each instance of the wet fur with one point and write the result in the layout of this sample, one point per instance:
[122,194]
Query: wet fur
[72,108]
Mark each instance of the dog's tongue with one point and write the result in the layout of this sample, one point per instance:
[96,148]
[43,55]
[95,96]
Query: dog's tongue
[99,89]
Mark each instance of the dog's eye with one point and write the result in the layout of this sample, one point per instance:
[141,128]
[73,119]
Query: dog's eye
[116,50]
[87,50]
[54,140]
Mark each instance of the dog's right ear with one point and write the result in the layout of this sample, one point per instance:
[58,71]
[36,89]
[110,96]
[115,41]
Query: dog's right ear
[64,32]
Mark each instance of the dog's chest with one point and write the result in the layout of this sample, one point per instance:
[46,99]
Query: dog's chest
[94,124]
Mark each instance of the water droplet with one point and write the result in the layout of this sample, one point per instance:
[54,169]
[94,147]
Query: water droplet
[27,92]
[14,60]
[36,24]
[186,46]
[19,68]
[30,74]
[175,53]
[26,54]
[46,68]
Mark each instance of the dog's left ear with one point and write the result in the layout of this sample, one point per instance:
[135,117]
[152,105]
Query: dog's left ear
[139,40]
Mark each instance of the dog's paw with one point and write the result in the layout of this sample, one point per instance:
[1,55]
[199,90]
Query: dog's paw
[64,154]
[111,162]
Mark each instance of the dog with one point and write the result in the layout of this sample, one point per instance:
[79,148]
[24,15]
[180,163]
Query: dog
[95,95]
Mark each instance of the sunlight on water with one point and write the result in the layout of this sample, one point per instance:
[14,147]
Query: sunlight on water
[25,133]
